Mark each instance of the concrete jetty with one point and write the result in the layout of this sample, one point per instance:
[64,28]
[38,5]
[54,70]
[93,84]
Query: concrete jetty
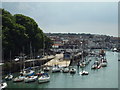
[58,60]
[41,59]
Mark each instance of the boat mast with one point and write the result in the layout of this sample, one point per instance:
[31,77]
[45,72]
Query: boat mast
[23,59]
[43,49]
[10,62]
[30,53]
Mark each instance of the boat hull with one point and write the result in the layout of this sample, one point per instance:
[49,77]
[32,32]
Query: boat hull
[3,85]
[30,79]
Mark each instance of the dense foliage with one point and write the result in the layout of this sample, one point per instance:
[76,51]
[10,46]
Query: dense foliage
[18,32]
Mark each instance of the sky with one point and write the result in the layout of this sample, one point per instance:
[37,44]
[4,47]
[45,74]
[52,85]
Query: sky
[70,17]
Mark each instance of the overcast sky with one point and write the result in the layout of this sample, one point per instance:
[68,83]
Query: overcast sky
[70,17]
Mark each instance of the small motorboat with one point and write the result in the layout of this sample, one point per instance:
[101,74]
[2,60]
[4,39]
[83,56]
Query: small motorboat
[30,79]
[99,66]
[84,73]
[65,70]
[46,69]
[9,77]
[3,85]
[72,70]
[82,65]
[55,69]
[94,66]
[103,63]
[44,78]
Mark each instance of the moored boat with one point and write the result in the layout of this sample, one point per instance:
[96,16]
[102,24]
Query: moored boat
[9,77]
[44,78]
[30,79]
[94,66]
[103,63]
[46,69]
[72,70]
[27,72]
[56,68]
[19,79]
[3,85]
[84,72]
[65,70]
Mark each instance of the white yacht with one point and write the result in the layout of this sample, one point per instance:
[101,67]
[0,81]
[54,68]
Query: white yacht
[9,77]
[30,79]
[3,85]
[44,78]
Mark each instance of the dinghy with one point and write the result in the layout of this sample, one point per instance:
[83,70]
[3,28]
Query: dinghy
[3,85]
[72,70]
[84,73]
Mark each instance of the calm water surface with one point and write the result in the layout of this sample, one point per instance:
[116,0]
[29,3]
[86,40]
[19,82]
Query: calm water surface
[106,77]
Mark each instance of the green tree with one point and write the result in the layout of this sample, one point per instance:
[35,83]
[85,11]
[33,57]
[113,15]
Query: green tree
[19,31]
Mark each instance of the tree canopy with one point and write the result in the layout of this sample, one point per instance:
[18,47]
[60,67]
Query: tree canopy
[18,31]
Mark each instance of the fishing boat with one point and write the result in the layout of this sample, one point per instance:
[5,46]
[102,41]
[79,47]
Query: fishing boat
[65,70]
[72,70]
[30,79]
[3,85]
[45,77]
[84,72]
[9,77]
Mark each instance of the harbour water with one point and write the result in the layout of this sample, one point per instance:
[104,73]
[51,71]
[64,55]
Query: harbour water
[106,77]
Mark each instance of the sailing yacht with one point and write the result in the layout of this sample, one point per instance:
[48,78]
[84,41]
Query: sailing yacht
[9,76]
[19,79]
[45,77]
[46,68]
[30,79]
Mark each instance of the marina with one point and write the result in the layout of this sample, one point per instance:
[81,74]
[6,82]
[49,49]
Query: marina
[96,78]
[59,45]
